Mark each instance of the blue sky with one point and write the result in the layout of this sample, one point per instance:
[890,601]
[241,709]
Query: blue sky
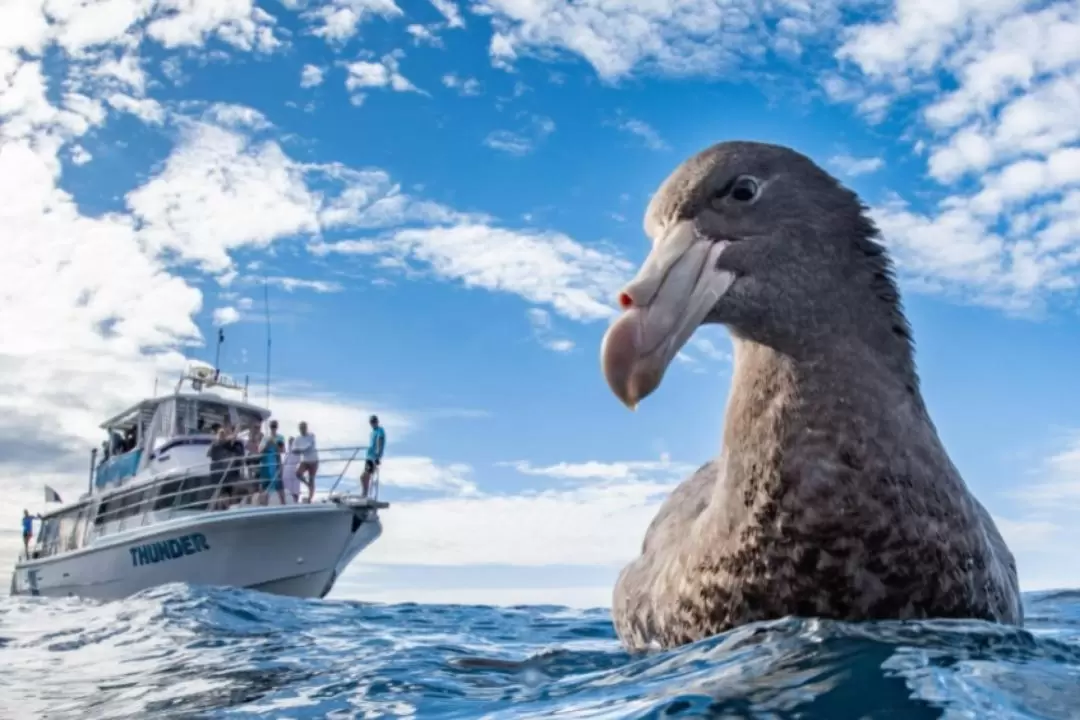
[444,200]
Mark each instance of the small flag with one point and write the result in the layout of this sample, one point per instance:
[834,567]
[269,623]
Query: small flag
[51,495]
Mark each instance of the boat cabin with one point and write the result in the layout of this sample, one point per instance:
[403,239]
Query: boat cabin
[163,435]
[154,430]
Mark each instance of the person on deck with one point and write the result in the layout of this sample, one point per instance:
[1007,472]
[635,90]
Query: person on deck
[226,455]
[253,449]
[304,446]
[374,452]
[289,473]
[270,467]
[27,529]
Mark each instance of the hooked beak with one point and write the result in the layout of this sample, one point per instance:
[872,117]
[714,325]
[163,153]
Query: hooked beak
[672,293]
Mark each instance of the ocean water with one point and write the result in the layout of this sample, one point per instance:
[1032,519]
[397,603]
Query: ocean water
[183,652]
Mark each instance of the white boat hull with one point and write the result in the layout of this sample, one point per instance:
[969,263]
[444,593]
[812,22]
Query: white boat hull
[295,550]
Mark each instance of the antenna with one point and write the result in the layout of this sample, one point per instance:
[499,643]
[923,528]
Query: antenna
[266,304]
[217,352]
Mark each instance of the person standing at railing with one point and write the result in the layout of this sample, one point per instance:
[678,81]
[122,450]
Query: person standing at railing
[225,453]
[290,473]
[304,446]
[269,468]
[253,451]
[28,529]
[374,453]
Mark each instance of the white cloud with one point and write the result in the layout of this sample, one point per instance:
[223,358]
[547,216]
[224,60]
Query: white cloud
[855,166]
[594,524]
[338,20]
[1057,486]
[311,76]
[544,331]
[146,109]
[599,520]
[383,74]
[423,473]
[370,199]
[424,34]
[450,11]
[508,142]
[464,86]
[1006,125]
[80,155]
[703,355]
[635,470]
[189,22]
[682,37]
[523,141]
[1041,527]
[219,191]
[225,316]
[337,422]
[291,284]
[237,116]
[645,132]
[1003,140]
[126,69]
[545,268]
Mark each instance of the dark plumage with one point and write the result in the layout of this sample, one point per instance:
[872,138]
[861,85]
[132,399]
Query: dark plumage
[833,495]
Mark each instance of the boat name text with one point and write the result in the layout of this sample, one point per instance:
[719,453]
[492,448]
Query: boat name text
[170,549]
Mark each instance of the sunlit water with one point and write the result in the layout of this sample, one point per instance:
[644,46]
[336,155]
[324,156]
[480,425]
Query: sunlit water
[181,652]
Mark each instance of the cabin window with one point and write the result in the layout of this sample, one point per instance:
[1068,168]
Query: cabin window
[121,507]
[168,494]
[75,540]
[211,414]
[190,493]
[63,532]
[245,419]
[197,492]
[47,538]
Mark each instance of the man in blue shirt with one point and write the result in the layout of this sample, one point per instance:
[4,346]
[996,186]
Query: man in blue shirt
[374,452]
[27,530]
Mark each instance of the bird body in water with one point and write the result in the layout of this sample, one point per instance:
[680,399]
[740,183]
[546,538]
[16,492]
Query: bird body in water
[833,495]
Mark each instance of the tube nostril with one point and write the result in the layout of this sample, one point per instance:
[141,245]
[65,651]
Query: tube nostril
[625,301]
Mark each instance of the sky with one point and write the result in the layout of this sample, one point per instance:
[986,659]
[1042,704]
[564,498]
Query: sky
[430,206]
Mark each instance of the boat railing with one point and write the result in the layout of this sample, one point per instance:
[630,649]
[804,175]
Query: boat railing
[207,487]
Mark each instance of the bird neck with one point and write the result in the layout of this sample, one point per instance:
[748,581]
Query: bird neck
[777,399]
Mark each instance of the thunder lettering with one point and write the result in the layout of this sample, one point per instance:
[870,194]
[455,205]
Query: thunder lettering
[170,549]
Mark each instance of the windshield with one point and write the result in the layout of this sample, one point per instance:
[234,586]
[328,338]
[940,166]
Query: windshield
[201,417]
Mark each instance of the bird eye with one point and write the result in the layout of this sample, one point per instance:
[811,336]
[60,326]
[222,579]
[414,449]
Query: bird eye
[744,189]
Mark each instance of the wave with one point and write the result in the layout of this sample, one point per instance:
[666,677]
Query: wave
[179,652]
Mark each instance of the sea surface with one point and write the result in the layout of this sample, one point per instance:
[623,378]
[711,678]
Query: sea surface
[185,652]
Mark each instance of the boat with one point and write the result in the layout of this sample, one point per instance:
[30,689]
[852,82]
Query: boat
[157,510]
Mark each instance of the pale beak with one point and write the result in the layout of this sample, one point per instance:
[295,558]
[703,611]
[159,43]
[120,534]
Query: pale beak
[672,293]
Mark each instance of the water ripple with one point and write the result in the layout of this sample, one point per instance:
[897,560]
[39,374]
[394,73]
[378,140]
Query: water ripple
[183,652]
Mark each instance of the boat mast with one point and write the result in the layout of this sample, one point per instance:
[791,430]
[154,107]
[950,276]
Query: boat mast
[266,306]
[217,352]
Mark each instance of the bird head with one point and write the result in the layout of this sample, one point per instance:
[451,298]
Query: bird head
[753,236]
